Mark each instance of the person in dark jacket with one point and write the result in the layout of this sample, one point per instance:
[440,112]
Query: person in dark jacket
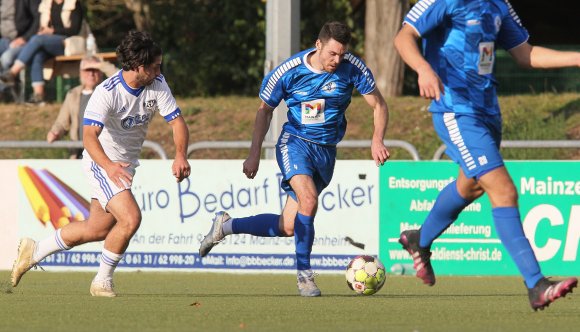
[57,20]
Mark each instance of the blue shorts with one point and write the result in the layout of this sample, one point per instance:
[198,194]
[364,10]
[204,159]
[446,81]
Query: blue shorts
[472,141]
[297,156]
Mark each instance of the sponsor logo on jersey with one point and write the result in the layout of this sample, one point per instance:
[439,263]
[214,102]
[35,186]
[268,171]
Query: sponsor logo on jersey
[313,111]
[133,121]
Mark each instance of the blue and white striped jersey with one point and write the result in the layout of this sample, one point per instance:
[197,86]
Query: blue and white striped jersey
[459,42]
[124,114]
[316,100]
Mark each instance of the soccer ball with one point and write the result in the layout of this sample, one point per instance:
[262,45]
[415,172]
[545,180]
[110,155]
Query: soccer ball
[365,275]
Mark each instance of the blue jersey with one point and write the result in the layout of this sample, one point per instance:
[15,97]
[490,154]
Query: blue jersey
[316,100]
[459,42]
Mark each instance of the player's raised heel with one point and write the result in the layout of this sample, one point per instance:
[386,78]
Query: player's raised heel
[421,256]
[24,261]
[103,288]
[215,234]
[547,291]
[306,285]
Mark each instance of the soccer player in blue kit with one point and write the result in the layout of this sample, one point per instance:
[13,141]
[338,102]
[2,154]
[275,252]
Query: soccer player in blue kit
[456,71]
[316,85]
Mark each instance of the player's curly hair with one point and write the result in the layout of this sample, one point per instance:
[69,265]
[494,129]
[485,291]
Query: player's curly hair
[137,49]
[335,30]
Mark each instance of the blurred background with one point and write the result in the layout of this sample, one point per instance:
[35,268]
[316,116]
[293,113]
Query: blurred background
[217,47]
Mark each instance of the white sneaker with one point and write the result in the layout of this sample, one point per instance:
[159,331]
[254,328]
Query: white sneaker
[306,285]
[24,261]
[215,234]
[103,287]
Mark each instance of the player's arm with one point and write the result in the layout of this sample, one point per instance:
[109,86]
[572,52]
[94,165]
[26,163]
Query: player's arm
[261,126]
[381,120]
[530,56]
[115,170]
[180,168]
[430,85]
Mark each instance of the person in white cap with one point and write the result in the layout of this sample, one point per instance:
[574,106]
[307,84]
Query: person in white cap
[70,116]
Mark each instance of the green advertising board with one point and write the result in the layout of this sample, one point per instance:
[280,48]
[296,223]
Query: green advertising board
[549,198]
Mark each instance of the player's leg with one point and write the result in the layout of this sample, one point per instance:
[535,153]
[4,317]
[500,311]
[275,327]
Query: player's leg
[307,198]
[452,199]
[312,173]
[266,225]
[30,252]
[128,216]
[506,216]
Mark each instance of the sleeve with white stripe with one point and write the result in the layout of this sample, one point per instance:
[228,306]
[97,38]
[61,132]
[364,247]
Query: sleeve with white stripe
[426,15]
[165,101]
[512,32]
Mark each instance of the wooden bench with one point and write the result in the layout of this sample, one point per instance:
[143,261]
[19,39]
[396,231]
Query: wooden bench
[66,67]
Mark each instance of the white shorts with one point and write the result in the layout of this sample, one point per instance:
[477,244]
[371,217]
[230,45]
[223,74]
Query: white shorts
[103,188]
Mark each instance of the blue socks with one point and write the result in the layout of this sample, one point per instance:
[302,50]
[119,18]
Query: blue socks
[267,225]
[304,238]
[260,225]
[511,233]
[444,212]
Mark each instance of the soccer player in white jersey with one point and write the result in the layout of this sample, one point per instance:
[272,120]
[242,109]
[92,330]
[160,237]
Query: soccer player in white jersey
[317,86]
[456,71]
[115,125]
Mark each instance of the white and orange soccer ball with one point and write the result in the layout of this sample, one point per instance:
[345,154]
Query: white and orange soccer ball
[365,275]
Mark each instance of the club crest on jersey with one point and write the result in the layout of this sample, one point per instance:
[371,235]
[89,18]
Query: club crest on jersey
[329,87]
[150,105]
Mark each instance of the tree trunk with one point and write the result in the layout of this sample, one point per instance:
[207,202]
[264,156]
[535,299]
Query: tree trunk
[141,13]
[383,19]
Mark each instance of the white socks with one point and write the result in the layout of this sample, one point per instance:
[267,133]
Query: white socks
[108,264]
[48,246]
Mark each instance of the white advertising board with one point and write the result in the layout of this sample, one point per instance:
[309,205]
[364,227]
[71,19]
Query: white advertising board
[176,216]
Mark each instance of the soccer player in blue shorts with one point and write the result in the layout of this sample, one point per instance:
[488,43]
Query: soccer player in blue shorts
[456,71]
[317,85]
[115,125]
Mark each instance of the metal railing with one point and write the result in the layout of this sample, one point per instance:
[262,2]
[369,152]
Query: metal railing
[70,145]
[268,145]
[157,148]
[523,145]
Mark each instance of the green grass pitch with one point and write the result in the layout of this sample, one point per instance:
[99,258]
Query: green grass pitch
[149,301]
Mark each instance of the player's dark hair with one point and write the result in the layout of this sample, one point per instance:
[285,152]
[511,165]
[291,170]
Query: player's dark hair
[137,49]
[335,30]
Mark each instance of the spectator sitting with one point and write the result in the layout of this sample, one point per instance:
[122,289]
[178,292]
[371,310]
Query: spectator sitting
[18,22]
[23,16]
[70,116]
[59,19]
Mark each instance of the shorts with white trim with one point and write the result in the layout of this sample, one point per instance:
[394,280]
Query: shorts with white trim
[472,141]
[103,188]
[298,156]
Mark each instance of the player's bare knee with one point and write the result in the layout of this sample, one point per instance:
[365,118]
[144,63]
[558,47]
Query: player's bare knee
[130,224]
[308,205]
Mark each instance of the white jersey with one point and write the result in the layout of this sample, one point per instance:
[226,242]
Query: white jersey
[124,114]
